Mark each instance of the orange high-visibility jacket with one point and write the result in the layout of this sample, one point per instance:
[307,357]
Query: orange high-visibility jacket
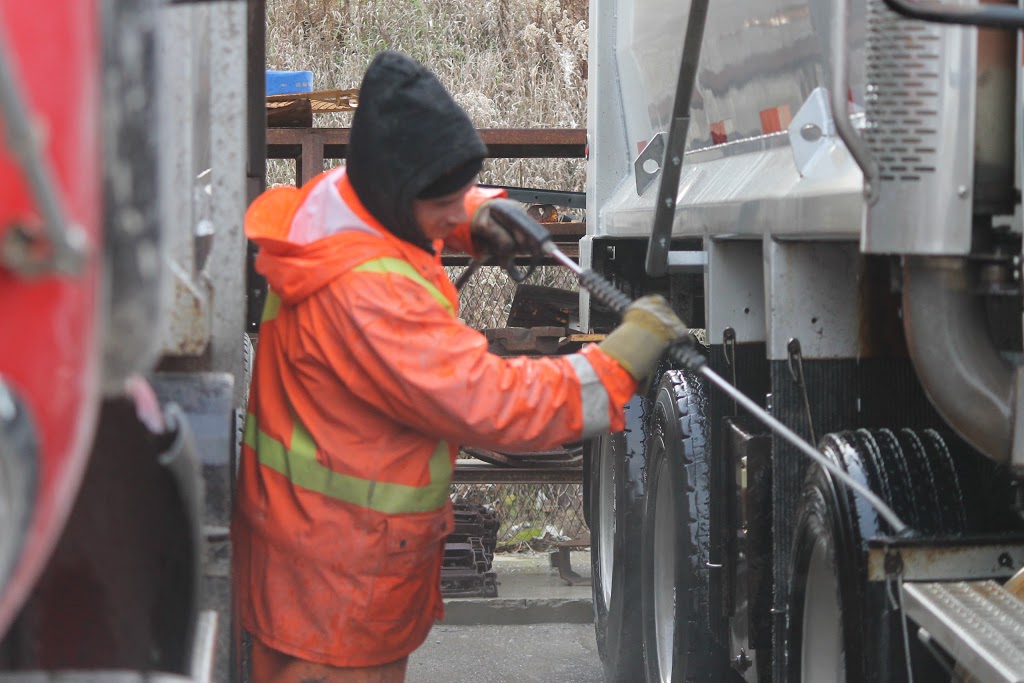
[365,385]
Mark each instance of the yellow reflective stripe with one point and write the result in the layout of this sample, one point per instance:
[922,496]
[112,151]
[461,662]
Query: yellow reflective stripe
[271,307]
[299,464]
[251,431]
[397,266]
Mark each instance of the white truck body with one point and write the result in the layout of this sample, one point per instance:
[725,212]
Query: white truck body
[860,279]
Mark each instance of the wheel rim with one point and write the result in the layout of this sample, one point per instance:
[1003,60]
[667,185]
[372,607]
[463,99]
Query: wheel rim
[665,573]
[606,517]
[821,650]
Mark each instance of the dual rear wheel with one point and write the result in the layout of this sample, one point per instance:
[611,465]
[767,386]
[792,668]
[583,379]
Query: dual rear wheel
[649,517]
[616,484]
[650,493]
[676,540]
[841,626]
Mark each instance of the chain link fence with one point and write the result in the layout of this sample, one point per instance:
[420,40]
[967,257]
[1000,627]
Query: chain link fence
[485,301]
[533,516]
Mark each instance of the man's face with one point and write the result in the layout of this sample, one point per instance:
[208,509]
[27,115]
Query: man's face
[439,216]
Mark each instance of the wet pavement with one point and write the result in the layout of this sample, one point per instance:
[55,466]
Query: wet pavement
[537,653]
[538,630]
[530,591]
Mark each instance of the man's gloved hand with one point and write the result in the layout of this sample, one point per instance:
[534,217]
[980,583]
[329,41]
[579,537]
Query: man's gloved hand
[489,237]
[648,327]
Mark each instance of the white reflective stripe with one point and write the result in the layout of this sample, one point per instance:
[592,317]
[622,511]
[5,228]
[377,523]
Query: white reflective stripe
[593,395]
[324,213]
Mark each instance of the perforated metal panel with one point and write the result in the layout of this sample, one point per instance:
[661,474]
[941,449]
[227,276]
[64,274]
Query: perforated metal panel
[920,107]
[904,65]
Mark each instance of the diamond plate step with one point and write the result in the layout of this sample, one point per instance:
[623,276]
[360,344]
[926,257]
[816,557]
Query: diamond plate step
[978,622]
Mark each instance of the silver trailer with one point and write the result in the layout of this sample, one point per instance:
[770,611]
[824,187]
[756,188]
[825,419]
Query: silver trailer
[838,210]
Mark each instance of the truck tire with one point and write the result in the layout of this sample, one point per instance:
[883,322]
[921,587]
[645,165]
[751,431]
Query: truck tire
[676,611]
[616,483]
[842,627]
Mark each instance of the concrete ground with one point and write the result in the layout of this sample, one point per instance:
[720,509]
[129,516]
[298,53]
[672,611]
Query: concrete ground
[529,592]
[538,653]
[538,630]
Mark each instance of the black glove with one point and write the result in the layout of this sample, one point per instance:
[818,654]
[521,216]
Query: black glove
[491,239]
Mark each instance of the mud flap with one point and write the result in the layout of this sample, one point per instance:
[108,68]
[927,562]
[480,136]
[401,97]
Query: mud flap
[121,590]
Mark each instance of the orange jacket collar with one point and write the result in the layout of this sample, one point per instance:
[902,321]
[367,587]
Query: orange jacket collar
[277,221]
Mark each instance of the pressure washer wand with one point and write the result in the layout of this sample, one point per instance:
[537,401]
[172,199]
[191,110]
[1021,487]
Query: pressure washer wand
[532,235]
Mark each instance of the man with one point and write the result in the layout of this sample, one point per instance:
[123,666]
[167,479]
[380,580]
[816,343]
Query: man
[366,384]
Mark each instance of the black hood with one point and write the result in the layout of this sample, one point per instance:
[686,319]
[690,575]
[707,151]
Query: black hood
[407,132]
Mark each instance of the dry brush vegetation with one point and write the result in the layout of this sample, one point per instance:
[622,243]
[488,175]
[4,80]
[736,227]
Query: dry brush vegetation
[509,63]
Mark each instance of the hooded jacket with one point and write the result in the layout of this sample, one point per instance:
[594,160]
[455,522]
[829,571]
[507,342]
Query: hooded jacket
[406,133]
[365,385]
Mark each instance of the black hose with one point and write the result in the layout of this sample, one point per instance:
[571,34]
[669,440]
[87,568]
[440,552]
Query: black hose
[604,291]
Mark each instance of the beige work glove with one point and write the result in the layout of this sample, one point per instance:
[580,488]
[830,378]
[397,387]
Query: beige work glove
[489,237]
[648,327]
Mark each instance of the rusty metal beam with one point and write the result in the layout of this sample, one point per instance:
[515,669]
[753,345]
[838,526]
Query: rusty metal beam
[524,261]
[516,143]
[571,250]
[516,341]
[573,230]
[502,143]
[310,163]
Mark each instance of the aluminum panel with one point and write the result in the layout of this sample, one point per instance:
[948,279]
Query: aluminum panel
[920,110]
[751,194]
[979,623]
[812,296]
[758,66]
[734,286]
[759,62]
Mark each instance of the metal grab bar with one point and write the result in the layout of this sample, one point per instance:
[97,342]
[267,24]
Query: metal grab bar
[656,263]
[987,16]
[838,102]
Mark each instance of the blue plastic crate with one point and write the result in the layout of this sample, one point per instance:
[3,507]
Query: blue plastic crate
[289,82]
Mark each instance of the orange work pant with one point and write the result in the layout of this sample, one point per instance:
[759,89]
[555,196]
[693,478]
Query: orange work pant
[270,666]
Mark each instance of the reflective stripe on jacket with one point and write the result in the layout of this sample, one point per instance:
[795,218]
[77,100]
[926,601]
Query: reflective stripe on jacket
[365,384]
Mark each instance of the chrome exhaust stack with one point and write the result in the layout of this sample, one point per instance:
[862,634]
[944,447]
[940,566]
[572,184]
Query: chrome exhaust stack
[970,383]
